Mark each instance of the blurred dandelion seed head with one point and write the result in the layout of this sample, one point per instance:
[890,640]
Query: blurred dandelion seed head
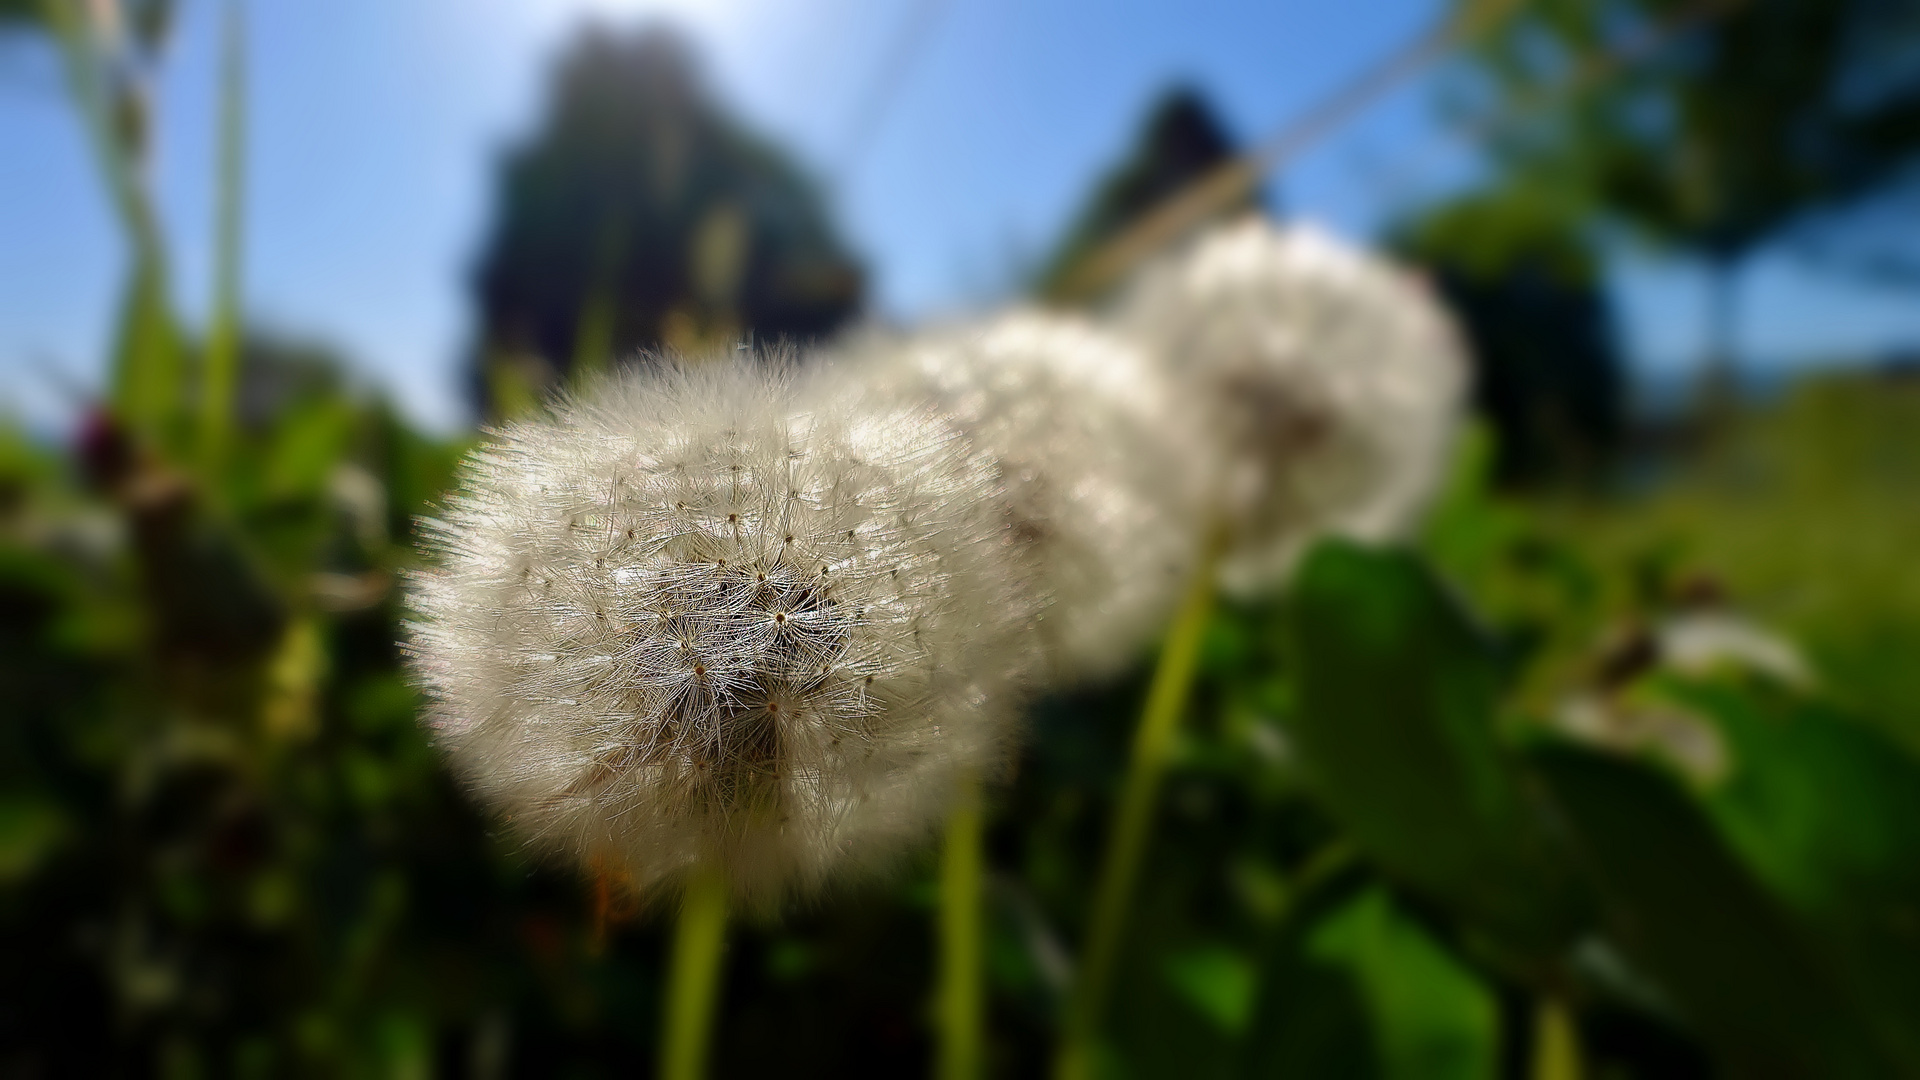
[1334,377]
[1105,473]
[709,614]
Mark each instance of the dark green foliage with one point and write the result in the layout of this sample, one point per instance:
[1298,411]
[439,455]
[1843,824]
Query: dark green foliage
[1735,966]
[1827,813]
[1768,907]
[227,845]
[640,214]
[1727,124]
[1364,991]
[1715,129]
[233,849]
[1395,729]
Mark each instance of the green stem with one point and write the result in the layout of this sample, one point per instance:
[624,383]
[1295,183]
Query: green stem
[1556,1042]
[693,982]
[960,984]
[223,330]
[146,377]
[90,94]
[1133,823]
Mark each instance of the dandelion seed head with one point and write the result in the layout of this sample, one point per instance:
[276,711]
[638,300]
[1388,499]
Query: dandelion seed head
[709,614]
[1334,377]
[1104,472]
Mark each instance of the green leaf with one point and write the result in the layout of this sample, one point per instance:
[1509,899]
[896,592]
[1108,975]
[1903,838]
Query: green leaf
[1365,992]
[1687,911]
[1216,981]
[307,444]
[1826,812]
[1395,731]
[147,377]
[1314,1023]
[30,830]
[1432,1018]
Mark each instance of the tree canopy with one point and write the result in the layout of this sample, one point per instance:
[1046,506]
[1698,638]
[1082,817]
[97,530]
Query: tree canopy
[1518,269]
[640,214]
[1715,127]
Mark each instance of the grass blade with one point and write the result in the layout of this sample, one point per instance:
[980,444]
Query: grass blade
[221,372]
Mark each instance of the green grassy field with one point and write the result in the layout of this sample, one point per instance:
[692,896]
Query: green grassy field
[1806,512]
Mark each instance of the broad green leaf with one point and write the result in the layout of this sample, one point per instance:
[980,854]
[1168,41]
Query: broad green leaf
[1395,730]
[1432,1018]
[1313,1022]
[1217,981]
[1365,992]
[1309,1016]
[148,379]
[1687,911]
[1826,812]
[309,442]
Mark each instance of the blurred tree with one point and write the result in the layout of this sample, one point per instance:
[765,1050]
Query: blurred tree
[1180,141]
[640,215]
[1521,275]
[1716,127]
[149,20]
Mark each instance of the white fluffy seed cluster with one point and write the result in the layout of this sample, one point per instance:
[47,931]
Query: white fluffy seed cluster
[712,615]
[740,617]
[1104,471]
[1334,378]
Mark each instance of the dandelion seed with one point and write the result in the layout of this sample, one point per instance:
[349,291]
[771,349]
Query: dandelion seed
[1106,474]
[1334,378]
[734,706]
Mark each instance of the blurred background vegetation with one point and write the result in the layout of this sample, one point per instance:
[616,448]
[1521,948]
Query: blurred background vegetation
[1612,774]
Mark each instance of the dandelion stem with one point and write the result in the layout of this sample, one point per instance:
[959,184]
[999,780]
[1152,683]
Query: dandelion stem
[693,982]
[960,985]
[1133,822]
[1556,1042]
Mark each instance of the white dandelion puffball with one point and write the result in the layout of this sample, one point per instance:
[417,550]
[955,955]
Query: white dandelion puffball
[1104,468]
[1335,377]
[713,615]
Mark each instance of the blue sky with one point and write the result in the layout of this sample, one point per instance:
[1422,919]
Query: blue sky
[375,124]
